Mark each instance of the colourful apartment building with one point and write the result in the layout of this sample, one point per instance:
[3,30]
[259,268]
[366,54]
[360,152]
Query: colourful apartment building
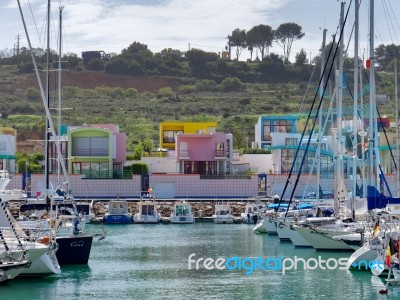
[169,130]
[7,150]
[270,124]
[96,151]
[204,153]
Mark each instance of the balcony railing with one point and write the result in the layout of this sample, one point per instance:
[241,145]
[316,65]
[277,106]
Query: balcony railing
[96,175]
[183,154]
[225,176]
[90,152]
[220,153]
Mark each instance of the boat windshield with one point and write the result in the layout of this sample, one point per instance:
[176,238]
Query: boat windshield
[182,210]
[148,210]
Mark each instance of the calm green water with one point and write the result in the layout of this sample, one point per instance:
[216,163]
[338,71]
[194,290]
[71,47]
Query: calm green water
[151,262]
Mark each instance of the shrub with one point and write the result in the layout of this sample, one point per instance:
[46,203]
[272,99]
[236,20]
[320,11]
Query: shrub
[33,94]
[131,92]
[165,92]
[206,85]
[231,84]
[96,65]
[187,89]
[70,92]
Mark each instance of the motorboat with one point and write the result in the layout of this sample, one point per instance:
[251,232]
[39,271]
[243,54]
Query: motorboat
[252,213]
[147,212]
[182,213]
[118,213]
[223,214]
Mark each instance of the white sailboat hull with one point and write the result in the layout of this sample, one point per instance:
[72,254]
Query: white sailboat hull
[270,225]
[283,231]
[297,239]
[34,255]
[321,239]
[45,265]
[366,253]
[260,227]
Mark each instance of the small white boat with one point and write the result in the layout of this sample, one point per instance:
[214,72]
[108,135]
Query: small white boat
[182,213]
[223,214]
[147,213]
[118,213]
[252,213]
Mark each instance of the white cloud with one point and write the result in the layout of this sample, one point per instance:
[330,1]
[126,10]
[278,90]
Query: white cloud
[205,24]
[167,24]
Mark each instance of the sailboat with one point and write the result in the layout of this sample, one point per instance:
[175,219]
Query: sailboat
[17,243]
[73,244]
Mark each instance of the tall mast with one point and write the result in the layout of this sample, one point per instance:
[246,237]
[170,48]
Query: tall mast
[43,95]
[372,105]
[355,127]
[59,92]
[320,133]
[396,102]
[47,133]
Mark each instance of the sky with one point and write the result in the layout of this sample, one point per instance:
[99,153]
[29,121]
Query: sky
[113,25]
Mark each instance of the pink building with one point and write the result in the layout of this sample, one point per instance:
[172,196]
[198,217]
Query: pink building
[204,153]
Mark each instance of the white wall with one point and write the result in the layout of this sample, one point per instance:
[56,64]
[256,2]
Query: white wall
[259,163]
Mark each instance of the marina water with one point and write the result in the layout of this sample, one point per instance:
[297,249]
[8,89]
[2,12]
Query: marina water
[151,262]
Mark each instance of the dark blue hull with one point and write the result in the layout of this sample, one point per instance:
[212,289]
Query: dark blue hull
[74,250]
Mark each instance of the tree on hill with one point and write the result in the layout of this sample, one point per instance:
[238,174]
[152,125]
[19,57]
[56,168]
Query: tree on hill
[261,37]
[285,35]
[301,58]
[198,61]
[238,40]
[385,54]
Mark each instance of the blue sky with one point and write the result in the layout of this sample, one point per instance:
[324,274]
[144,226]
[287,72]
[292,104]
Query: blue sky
[204,24]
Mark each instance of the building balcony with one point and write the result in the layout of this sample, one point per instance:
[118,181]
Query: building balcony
[89,152]
[183,154]
[221,154]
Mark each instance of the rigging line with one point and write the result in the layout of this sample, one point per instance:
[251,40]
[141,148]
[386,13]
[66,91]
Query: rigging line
[318,109]
[309,115]
[384,131]
[385,11]
[394,16]
[391,22]
[34,21]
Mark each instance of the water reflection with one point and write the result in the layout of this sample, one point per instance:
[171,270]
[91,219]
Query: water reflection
[151,262]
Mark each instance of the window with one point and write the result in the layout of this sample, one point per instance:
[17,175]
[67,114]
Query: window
[267,130]
[287,158]
[91,169]
[220,149]
[280,126]
[200,167]
[90,146]
[291,142]
[169,135]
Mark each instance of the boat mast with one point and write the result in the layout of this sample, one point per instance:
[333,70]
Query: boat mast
[372,105]
[47,133]
[46,107]
[396,102]
[320,133]
[355,127]
[59,92]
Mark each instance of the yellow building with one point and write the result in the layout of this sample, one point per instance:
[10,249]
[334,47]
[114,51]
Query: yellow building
[169,130]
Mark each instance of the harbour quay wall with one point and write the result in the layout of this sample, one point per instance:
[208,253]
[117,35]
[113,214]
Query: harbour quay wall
[165,186]
[193,186]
